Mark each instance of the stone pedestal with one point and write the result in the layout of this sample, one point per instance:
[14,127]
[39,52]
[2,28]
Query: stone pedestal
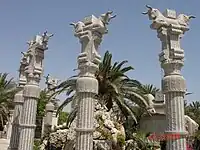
[14,141]
[18,102]
[31,91]
[27,124]
[90,32]
[170,29]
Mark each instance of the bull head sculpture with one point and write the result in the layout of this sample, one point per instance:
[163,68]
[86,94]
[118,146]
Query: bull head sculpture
[152,13]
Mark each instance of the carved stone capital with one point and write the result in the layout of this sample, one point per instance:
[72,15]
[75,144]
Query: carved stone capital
[92,23]
[173,83]
[87,85]
[87,66]
[31,91]
[167,19]
[18,97]
[172,67]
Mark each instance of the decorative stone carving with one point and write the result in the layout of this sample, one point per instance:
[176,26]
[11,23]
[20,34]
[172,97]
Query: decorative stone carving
[173,83]
[90,32]
[167,19]
[51,82]
[170,29]
[105,18]
[150,99]
[33,72]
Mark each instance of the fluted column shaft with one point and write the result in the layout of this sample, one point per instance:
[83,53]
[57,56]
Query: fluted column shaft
[27,126]
[15,133]
[88,87]
[14,141]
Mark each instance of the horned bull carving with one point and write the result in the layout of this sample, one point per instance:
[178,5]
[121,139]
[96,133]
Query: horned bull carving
[159,19]
[100,22]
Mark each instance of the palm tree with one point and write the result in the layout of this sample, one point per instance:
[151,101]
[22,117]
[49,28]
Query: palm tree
[7,92]
[130,126]
[42,102]
[149,89]
[193,110]
[115,87]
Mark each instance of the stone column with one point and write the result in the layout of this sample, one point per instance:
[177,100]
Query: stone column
[18,102]
[31,91]
[170,29]
[9,130]
[90,32]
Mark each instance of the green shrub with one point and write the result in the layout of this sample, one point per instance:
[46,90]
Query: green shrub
[121,140]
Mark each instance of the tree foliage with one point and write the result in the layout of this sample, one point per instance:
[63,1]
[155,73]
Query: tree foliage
[115,88]
[193,111]
[62,117]
[8,89]
[42,102]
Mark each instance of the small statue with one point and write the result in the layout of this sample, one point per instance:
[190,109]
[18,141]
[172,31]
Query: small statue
[46,37]
[51,81]
[105,18]
[78,26]
[25,58]
[30,54]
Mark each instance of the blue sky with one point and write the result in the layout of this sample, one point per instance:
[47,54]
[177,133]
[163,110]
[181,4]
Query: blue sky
[130,37]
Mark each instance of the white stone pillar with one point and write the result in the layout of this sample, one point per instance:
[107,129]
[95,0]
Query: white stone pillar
[31,91]
[18,102]
[90,32]
[170,29]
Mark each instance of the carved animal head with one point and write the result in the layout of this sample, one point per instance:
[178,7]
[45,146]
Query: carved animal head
[30,43]
[105,18]
[152,13]
[46,37]
[78,27]
[24,59]
[184,18]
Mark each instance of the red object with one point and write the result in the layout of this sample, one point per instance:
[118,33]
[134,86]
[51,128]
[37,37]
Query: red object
[188,147]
